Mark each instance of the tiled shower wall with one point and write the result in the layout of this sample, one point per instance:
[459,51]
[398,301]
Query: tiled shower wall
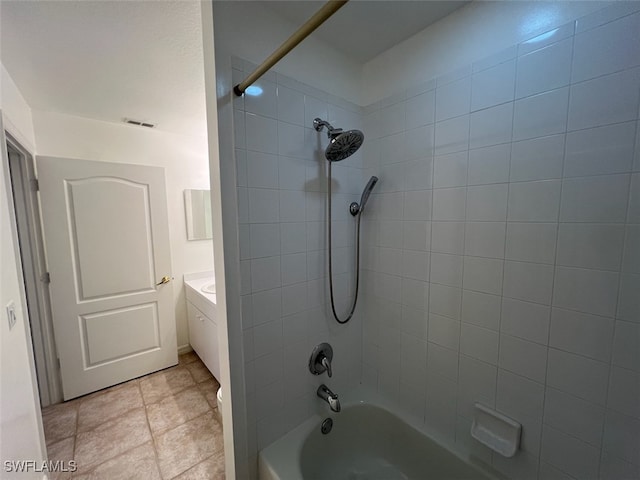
[281,177]
[502,259]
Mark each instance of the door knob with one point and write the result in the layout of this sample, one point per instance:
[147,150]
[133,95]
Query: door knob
[165,279]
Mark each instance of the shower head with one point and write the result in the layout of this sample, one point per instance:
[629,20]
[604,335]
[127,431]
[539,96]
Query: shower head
[367,191]
[341,144]
[355,208]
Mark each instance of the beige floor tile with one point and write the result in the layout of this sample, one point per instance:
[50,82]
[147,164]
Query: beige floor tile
[188,358]
[187,445]
[61,451]
[199,371]
[210,390]
[176,410]
[108,404]
[165,383]
[210,469]
[111,438]
[137,464]
[60,421]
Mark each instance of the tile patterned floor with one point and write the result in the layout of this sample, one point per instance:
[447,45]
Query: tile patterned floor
[163,426]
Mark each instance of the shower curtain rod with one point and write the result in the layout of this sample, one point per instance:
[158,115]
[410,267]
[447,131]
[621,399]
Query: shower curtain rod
[303,32]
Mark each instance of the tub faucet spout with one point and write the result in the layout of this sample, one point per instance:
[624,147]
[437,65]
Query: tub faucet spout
[328,396]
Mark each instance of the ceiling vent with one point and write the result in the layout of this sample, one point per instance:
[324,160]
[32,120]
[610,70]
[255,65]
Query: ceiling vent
[139,123]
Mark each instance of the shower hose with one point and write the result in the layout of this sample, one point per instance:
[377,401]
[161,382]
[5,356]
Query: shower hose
[355,299]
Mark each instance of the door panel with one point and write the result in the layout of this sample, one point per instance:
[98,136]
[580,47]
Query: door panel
[107,242]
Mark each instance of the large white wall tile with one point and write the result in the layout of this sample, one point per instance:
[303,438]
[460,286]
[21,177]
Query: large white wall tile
[480,343]
[532,282]
[545,69]
[602,150]
[291,106]
[453,99]
[483,274]
[447,237]
[442,361]
[541,115]
[487,203]
[624,391]
[537,159]
[567,453]
[485,239]
[531,242]
[605,100]
[444,331]
[452,135]
[493,86]
[629,301]
[626,345]
[265,273]
[522,357]
[481,309]
[445,300]
[577,375]
[534,201]
[581,333]
[446,269]
[264,205]
[526,320]
[491,126]
[600,199]
[606,49]
[265,239]
[264,104]
[476,383]
[450,170]
[574,416]
[631,258]
[420,109]
[622,436]
[590,245]
[262,133]
[449,204]
[489,165]
[589,291]
[518,395]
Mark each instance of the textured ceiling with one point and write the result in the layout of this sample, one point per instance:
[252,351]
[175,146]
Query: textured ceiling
[110,60]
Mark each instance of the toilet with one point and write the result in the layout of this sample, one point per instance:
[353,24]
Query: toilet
[219,401]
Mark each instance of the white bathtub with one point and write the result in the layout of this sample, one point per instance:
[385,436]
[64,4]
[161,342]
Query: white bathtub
[366,442]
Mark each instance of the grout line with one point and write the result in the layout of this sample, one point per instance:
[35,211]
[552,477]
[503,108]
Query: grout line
[555,257]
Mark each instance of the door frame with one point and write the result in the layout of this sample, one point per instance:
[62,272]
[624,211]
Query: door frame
[23,178]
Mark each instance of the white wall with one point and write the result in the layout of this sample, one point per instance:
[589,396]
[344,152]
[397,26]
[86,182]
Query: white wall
[185,160]
[21,436]
[469,34]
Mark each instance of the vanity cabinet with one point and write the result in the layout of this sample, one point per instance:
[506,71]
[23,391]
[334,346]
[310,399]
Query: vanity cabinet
[203,337]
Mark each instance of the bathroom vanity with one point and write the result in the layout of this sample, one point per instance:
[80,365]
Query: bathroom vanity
[202,317]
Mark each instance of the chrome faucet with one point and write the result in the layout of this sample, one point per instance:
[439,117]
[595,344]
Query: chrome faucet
[328,396]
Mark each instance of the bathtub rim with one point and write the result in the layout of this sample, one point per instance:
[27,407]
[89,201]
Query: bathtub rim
[272,460]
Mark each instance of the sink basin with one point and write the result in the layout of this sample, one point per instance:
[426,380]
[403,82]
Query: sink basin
[209,288]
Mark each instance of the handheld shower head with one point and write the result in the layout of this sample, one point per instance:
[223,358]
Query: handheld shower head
[341,144]
[355,208]
[367,191]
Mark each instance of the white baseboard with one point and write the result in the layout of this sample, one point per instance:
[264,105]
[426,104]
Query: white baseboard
[186,348]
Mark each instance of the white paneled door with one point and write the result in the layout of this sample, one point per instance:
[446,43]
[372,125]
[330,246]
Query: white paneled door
[107,241]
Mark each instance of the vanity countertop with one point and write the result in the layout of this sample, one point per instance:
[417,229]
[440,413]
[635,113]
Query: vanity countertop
[206,302]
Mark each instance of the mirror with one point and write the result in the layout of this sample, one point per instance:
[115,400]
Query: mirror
[198,211]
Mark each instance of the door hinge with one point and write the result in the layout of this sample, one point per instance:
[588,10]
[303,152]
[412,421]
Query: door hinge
[46,278]
[35,184]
